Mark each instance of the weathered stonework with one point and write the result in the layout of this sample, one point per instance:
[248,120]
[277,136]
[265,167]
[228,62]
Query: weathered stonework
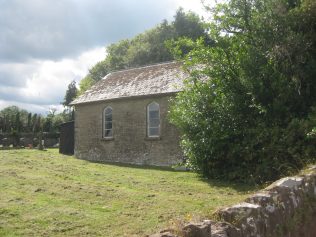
[287,208]
[202,229]
[130,143]
[128,92]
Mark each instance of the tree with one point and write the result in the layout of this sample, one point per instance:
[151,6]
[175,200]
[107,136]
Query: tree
[13,118]
[29,122]
[35,126]
[15,121]
[48,125]
[59,119]
[71,94]
[1,124]
[98,71]
[18,125]
[146,48]
[249,104]
[188,25]
[86,84]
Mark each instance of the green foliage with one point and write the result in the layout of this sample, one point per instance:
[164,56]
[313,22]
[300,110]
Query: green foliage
[71,93]
[146,48]
[188,25]
[247,109]
[12,119]
[35,123]
[98,71]
[15,121]
[85,84]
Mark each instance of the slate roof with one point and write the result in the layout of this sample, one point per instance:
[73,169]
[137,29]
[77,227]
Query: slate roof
[149,80]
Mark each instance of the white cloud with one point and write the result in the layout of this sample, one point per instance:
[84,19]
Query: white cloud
[194,6]
[46,81]
[44,45]
[34,108]
[55,29]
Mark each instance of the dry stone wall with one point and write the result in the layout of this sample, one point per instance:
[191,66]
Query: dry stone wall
[287,208]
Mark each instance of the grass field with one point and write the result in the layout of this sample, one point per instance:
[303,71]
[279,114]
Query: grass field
[43,193]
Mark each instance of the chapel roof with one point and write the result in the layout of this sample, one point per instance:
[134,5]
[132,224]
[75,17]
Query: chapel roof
[155,79]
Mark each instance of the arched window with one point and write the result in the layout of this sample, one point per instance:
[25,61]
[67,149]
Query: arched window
[153,120]
[107,123]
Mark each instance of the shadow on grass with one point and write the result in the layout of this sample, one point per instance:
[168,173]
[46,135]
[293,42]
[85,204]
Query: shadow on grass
[135,166]
[238,186]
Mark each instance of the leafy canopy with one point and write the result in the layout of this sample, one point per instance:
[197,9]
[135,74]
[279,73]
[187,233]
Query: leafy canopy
[251,99]
[71,94]
[14,120]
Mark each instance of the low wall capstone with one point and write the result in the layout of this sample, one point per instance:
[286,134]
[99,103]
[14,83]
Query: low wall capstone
[287,208]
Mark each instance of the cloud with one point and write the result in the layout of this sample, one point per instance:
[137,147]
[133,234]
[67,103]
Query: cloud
[45,82]
[13,74]
[195,6]
[34,108]
[45,44]
[54,29]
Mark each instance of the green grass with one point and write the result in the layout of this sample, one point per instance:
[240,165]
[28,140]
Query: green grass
[43,193]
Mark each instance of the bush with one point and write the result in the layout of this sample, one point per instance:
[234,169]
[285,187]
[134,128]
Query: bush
[247,112]
[223,146]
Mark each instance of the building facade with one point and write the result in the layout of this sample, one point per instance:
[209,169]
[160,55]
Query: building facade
[123,118]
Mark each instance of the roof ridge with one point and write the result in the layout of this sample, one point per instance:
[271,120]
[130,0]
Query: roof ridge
[161,78]
[140,67]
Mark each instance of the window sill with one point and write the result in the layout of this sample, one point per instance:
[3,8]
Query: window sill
[152,138]
[107,138]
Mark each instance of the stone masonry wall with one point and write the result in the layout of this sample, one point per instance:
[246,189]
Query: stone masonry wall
[130,143]
[287,208]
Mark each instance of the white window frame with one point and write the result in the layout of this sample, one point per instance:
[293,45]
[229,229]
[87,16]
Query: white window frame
[148,120]
[105,123]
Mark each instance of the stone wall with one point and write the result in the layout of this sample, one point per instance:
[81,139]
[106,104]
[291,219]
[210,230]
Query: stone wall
[287,208]
[130,143]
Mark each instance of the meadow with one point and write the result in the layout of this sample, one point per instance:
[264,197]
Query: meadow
[44,193]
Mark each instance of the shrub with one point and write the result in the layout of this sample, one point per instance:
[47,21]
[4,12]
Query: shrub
[247,111]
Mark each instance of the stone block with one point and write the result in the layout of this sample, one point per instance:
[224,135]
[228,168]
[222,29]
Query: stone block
[202,229]
[224,229]
[274,211]
[246,216]
[288,194]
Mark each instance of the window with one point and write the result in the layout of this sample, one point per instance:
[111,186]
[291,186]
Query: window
[153,120]
[107,123]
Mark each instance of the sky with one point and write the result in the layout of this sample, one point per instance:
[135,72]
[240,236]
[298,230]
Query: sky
[45,44]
